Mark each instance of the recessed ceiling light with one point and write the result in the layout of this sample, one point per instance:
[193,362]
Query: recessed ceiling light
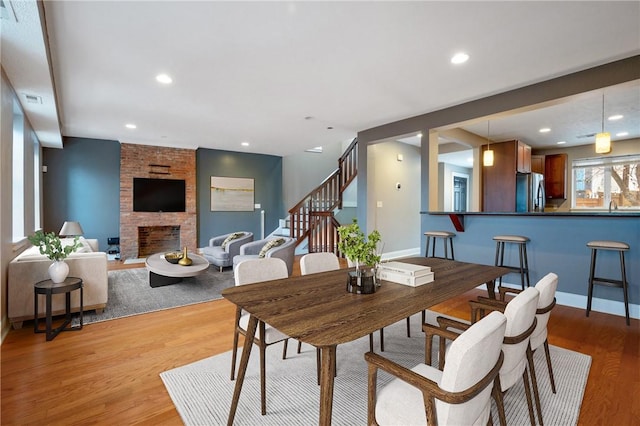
[616,117]
[544,130]
[459,58]
[130,126]
[245,144]
[164,79]
[621,134]
[561,142]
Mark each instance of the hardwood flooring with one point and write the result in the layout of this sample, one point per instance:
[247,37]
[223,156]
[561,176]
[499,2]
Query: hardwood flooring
[108,373]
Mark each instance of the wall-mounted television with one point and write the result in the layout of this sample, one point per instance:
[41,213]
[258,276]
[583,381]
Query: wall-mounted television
[159,195]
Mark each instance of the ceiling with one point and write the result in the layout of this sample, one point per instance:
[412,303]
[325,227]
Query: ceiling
[289,76]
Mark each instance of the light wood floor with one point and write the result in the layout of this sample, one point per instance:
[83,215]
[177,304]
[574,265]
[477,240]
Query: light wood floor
[108,373]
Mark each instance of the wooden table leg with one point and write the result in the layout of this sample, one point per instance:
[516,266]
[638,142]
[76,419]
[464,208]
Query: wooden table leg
[327,374]
[491,289]
[244,361]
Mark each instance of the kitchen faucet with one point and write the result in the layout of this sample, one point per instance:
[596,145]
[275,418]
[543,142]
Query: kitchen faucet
[615,205]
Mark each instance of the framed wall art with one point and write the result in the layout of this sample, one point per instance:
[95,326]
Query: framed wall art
[230,194]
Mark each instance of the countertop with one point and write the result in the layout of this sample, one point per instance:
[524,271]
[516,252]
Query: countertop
[603,213]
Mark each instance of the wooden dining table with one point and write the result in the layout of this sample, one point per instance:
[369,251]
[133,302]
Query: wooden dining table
[316,309]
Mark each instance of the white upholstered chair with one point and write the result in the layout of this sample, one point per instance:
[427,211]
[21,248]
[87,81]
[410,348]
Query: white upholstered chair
[326,261]
[318,262]
[521,322]
[248,272]
[547,287]
[312,263]
[459,394]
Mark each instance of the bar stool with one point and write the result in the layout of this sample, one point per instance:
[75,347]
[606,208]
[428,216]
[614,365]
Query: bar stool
[608,245]
[432,236]
[521,241]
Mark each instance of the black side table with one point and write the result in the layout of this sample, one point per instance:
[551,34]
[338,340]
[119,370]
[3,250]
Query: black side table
[49,288]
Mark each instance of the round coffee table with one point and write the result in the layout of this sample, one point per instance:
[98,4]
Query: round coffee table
[163,273]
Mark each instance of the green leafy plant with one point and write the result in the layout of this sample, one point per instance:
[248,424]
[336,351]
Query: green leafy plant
[51,246]
[360,249]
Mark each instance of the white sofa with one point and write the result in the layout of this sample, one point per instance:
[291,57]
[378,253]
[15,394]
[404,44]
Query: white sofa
[30,266]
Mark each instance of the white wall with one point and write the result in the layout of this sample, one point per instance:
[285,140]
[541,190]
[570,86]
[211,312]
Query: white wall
[398,220]
[8,249]
[303,172]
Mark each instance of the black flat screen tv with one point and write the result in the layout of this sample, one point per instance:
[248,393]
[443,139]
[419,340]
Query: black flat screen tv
[158,195]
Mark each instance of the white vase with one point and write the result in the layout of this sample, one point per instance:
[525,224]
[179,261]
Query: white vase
[58,271]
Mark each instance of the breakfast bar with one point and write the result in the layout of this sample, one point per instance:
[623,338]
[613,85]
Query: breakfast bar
[558,244]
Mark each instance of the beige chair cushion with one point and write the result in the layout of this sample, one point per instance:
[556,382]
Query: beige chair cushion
[470,358]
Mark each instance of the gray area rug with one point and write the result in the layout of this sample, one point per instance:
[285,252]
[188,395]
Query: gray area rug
[202,391]
[130,293]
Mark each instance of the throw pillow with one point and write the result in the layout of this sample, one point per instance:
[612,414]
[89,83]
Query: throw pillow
[270,244]
[230,238]
[84,247]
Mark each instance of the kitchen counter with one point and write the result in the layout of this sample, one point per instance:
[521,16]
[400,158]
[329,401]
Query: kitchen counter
[558,243]
[457,218]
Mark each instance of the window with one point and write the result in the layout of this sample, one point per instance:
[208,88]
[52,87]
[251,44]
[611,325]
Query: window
[599,182]
[36,186]
[17,197]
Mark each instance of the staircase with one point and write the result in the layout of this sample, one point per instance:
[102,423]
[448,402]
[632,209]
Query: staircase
[313,217]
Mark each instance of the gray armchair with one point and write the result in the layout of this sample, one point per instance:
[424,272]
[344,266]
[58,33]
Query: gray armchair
[284,251]
[223,256]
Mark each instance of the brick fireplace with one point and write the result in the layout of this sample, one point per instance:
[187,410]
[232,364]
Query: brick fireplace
[158,163]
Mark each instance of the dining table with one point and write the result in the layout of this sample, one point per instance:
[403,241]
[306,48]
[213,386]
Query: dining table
[316,309]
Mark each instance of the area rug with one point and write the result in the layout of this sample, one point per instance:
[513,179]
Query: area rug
[130,293]
[202,391]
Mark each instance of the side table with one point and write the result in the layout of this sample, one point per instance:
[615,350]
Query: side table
[49,288]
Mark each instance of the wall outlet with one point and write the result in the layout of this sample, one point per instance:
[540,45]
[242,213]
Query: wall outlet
[257,206]
[379,204]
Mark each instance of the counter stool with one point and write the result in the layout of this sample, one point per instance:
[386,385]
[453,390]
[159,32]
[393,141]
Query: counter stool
[521,241]
[608,245]
[432,237]
[447,237]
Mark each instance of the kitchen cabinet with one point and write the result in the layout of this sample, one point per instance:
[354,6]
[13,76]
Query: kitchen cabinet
[523,164]
[537,164]
[499,180]
[555,176]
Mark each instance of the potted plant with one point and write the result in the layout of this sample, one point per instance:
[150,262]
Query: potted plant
[362,251]
[51,246]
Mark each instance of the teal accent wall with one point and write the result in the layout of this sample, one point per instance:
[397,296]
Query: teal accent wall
[82,183]
[266,170]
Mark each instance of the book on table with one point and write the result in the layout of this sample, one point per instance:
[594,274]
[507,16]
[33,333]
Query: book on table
[405,269]
[405,279]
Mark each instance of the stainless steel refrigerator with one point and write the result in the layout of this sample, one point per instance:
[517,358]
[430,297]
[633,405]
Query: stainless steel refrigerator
[530,196]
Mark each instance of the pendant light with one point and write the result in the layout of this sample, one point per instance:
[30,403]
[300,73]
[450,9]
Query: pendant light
[603,139]
[487,157]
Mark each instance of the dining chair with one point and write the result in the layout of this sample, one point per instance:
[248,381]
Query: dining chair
[521,322]
[248,272]
[546,286]
[312,263]
[457,393]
